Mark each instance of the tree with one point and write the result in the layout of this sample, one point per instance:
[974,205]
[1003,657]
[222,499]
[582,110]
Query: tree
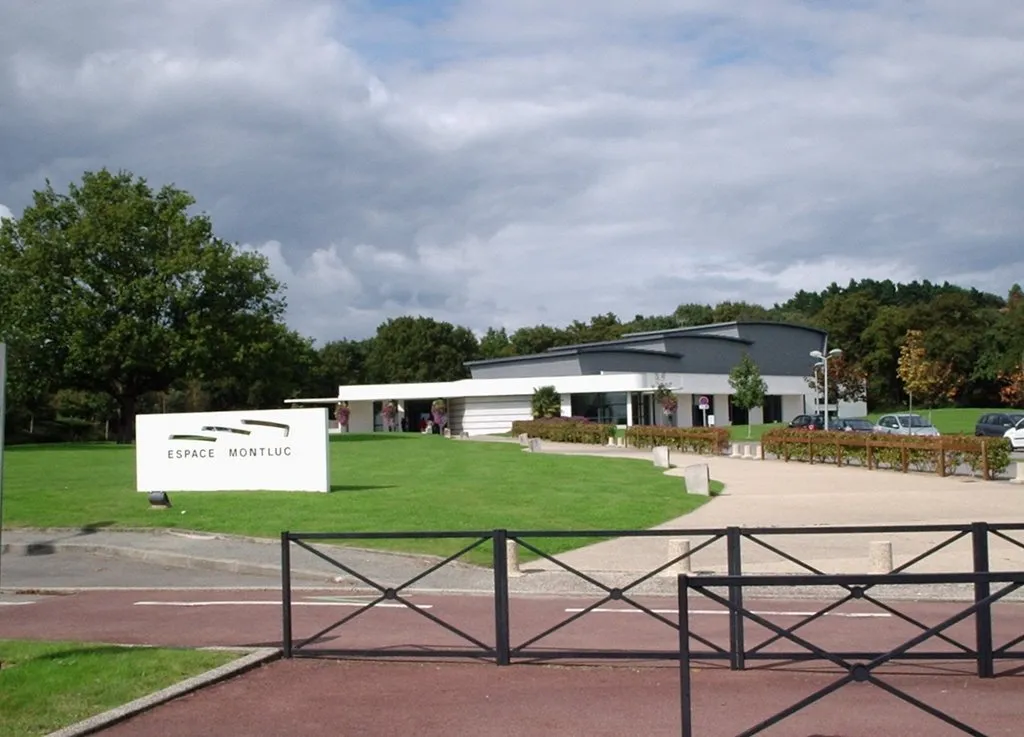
[537,339]
[546,402]
[748,387]
[420,349]
[922,377]
[339,363]
[495,344]
[846,382]
[1012,391]
[115,288]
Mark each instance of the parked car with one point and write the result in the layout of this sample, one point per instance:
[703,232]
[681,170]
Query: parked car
[851,424]
[905,424]
[808,422]
[995,424]
[1016,435]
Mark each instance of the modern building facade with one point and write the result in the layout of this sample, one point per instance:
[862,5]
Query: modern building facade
[615,381]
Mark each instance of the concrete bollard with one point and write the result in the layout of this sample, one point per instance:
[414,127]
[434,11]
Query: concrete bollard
[660,456]
[512,558]
[534,445]
[737,450]
[620,442]
[880,557]
[1019,478]
[678,546]
[524,439]
[748,451]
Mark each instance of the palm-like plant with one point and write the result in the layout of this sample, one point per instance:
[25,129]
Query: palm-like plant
[546,402]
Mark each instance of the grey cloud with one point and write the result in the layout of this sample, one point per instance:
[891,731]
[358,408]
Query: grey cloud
[506,163]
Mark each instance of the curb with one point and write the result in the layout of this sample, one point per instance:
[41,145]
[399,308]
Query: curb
[132,708]
[175,560]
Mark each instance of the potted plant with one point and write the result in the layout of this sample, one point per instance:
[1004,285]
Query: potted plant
[341,414]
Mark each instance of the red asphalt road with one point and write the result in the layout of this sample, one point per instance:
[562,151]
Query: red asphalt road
[426,698]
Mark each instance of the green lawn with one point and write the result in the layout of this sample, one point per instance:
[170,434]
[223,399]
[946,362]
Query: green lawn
[48,685]
[382,482]
[948,421]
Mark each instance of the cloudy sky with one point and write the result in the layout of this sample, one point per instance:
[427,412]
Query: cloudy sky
[509,162]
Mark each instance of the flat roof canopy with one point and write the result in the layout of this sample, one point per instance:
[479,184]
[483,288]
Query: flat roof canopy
[485,388]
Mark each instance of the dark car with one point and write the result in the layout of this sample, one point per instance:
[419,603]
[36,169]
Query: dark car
[995,424]
[808,422]
[851,424]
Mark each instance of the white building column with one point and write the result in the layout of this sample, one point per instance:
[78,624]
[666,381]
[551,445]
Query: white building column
[566,405]
[629,409]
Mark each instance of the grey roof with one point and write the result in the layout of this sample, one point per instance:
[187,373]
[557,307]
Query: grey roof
[733,323]
[567,350]
[693,332]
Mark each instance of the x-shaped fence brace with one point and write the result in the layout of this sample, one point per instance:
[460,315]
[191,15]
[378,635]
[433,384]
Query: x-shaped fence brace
[612,593]
[386,594]
[855,672]
[856,592]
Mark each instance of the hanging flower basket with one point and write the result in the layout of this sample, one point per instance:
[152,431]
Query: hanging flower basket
[388,411]
[341,414]
[439,411]
[666,398]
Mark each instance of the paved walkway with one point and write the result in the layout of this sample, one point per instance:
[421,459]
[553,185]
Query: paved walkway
[773,493]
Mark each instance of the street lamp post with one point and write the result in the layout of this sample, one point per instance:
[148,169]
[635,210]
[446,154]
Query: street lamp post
[823,356]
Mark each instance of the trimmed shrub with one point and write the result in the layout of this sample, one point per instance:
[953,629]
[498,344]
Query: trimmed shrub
[702,440]
[565,430]
[942,455]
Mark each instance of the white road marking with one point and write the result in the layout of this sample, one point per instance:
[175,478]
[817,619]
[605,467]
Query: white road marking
[15,603]
[631,610]
[385,605]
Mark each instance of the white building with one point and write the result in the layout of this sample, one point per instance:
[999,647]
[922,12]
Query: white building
[614,382]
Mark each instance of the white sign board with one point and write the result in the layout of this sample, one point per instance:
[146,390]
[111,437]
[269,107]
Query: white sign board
[262,450]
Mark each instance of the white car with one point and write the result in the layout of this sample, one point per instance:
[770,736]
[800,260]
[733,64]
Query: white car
[905,424]
[1016,436]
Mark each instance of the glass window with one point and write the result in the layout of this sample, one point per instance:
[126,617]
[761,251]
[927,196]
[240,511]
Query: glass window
[604,407]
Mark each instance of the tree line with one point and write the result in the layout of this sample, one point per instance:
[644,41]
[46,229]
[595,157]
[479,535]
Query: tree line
[115,299]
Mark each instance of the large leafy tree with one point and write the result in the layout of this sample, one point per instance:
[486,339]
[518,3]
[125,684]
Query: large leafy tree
[417,349]
[118,289]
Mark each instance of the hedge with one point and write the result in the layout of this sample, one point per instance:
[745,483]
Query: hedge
[702,440]
[565,430]
[941,455]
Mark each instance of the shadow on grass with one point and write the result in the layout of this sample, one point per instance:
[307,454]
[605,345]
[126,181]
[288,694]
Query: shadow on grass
[374,437]
[56,447]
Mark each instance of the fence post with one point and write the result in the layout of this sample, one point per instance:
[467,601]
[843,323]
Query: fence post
[683,595]
[502,647]
[734,550]
[983,616]
[286,595]
[984,460]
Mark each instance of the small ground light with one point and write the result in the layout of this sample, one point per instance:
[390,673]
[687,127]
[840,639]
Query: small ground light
[159,500]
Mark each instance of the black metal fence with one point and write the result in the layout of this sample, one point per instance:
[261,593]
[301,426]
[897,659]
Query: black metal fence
[856,667]
[500,647]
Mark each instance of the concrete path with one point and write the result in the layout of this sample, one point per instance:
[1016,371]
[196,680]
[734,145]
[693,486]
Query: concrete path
[773,493]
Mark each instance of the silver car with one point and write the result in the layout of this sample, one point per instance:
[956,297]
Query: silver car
[905,424]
